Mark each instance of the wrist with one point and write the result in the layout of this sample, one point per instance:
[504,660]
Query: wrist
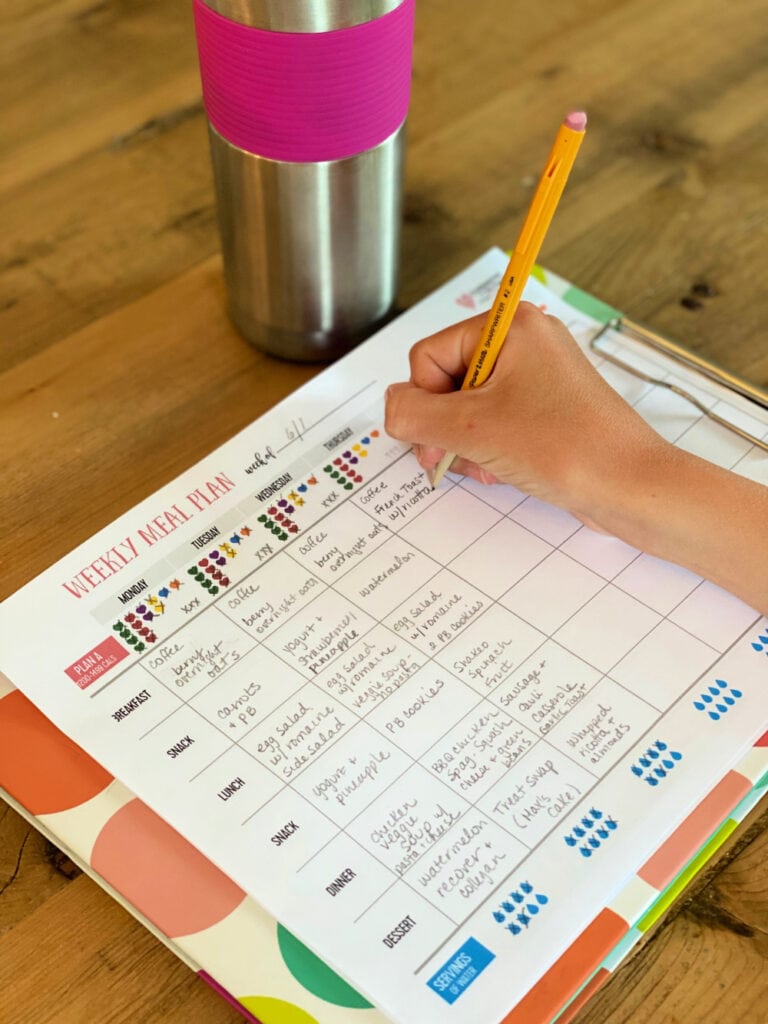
[647,499]
[623,495]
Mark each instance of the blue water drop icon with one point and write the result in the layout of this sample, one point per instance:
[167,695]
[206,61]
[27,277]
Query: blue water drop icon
[669,765]
[763,639]
[531,908]
[516,897]
[509,907]
[579,832]
[721,683]
[524,919]
[645,762]
[715,690]
[570,841]
[586,822]
[729,701]
[757,647]
[602,833]
[636,770]
[651,781]
[660,746]
[721,708]
[498,916]
[542,899]
[660,772]
[652,753]
[698,705]
[611,823]
[597,815]
[513,928]
[736,693]
[713,716]
[676,756]
[585,852]
[526,887]
[594,843]
[706,698]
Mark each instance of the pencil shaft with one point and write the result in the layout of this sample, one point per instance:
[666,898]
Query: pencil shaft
[540,213]
[538,219]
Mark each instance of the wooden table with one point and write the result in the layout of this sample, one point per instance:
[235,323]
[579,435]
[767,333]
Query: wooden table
[119,367]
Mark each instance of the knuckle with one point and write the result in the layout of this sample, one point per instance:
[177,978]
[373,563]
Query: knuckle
[415,355]
[528,311]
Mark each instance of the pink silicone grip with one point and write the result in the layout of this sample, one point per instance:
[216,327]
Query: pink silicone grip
[305,97]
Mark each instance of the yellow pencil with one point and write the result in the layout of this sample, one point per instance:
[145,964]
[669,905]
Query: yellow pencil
[537,221]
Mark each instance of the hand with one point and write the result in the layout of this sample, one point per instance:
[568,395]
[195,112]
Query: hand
[545,420]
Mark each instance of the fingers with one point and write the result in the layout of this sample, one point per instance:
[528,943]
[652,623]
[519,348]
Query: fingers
[465,467]
[438,363]
[435,422]
[428,457]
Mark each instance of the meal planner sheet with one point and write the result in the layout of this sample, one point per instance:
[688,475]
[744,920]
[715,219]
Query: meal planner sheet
[433,732]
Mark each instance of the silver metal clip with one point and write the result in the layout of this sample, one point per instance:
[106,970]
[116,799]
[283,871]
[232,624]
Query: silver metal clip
[682,355]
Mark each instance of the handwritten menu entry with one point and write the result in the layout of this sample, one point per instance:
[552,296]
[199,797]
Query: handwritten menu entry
[433,732]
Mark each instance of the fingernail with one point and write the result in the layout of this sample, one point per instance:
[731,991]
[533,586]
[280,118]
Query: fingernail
[486,477]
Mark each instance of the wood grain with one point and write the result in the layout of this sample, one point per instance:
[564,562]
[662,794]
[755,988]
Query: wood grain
[119,368]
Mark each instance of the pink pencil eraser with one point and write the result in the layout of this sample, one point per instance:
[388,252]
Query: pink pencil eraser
[577,120]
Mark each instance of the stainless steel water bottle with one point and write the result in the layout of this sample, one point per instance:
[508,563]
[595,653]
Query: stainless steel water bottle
[306,103]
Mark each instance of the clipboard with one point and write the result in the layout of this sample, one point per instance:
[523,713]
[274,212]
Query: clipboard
[685,357]
[234,921]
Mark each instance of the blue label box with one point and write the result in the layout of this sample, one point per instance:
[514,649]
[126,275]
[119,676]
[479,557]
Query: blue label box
[457,974]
